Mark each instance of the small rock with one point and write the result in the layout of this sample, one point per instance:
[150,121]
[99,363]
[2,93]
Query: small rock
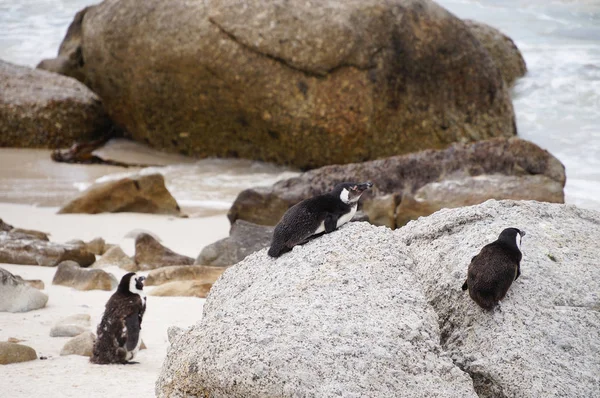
[143,346]
[19,233]
[70,274]
[150,254]
[182,289]
[71,326]
[97,246]
[139,194]
[14,340]
[36,283]
[173,273]
[81,344]
[13,353]
[115,256]
[244,239]
[16,296]
[4,226]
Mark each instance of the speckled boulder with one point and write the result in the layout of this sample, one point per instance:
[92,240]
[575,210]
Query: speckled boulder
[339,316]
[288,81]
[41,109]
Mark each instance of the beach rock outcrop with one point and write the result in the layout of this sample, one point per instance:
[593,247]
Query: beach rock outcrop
[29,250]
[501,48]
[553,309]
[115,256]
[400,177]
[17,296]
[151,254]
[41,109]
[193,288]
[68,273]
[291,82]
[139,194]
[367,311]
[340,315]
[244,239]
[71,326]
[82,344]
[13,353]
[173,273]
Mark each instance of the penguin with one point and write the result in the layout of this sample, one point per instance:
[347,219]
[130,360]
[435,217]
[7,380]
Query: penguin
[118,338]
[494,269]
[316,216]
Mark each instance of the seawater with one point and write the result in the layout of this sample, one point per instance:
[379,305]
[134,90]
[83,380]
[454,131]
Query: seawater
[557,103]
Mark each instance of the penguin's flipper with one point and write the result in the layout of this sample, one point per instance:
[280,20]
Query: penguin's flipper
[465,286]
[133,331]
[331,222]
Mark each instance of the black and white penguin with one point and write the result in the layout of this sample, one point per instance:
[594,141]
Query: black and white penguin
[494,269]
[119,338]
[316,216]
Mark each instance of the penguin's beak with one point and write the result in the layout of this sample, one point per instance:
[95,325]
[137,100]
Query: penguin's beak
[522,233]
[142,279]
[363,187]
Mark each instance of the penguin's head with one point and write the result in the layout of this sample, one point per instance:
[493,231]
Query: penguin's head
[132,283]
[512,236]
[349,192]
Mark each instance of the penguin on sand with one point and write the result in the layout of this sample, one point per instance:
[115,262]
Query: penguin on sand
[494,269]
[316,216]
[119,338]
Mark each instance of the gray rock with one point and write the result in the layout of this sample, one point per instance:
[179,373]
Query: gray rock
[544,339]
[41,252]
[71,326]
[137,194]
[68,273]
[341,315]
[150,254]
[202,273]
[16,296]
[398,177]
[40,109]
[244,239]
[81,344]
[115,256]
[469,191]
[13,353]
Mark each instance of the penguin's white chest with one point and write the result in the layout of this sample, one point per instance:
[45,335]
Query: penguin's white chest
[341,221]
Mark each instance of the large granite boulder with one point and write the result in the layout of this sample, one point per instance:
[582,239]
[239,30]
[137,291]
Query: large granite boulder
[41,109]
[367,311]
[151,254]
[501,48]
[29,250]
[400,177]
[115,256]
[544,340]
[139,194]
[292,82]
[341,315]
[68,273]
[244,239]
[17,296]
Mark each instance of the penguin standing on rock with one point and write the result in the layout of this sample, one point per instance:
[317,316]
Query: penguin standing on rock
[119,331]
[494,269]
[316,216]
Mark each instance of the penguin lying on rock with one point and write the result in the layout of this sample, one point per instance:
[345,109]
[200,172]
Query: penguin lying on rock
[494,269]
[119,331]
[316,216]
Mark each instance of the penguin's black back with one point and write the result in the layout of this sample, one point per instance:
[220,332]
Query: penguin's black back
[301,220]
[118,328]
[493,270]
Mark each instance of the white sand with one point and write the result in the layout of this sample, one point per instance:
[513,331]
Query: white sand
[74,376]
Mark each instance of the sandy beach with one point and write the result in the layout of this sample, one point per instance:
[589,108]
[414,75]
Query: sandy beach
[74,376]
